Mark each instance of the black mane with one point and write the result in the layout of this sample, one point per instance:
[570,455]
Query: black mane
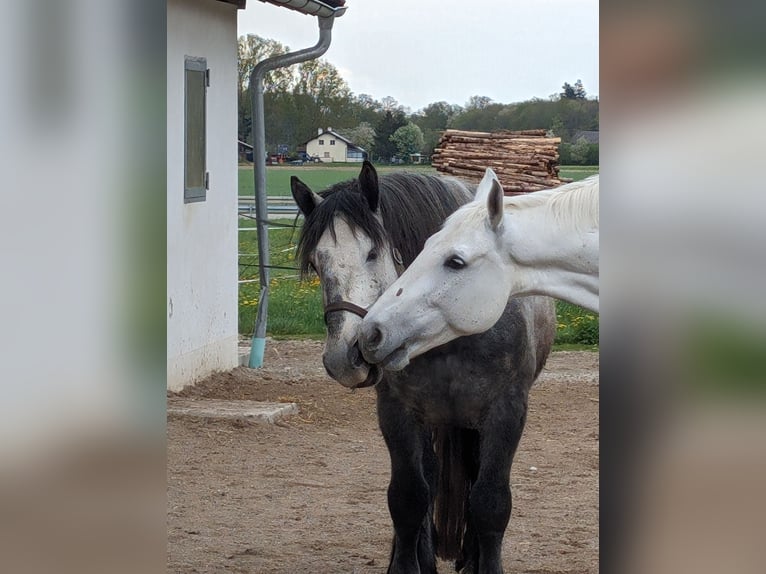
[412,206]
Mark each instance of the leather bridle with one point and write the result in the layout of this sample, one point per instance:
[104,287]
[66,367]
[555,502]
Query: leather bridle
[353,307]
[344,306]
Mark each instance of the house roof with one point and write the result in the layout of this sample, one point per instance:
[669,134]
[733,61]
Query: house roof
[337,135]
[591,136]
[240,4]
[322,8]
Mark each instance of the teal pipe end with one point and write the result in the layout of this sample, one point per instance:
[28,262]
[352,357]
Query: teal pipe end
[257,348]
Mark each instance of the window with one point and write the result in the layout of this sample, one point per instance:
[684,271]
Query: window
[332,142]
[321,142]
[327,154]
[195,126]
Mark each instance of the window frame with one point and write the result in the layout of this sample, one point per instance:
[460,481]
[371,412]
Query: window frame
[196,193]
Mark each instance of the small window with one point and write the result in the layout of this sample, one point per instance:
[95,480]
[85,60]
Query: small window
[321,142]
[195,129]
[332,142]
[327,154]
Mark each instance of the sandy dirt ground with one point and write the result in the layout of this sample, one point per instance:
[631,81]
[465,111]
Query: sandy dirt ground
[308,494]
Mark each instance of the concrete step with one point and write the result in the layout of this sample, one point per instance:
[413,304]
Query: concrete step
[223,409]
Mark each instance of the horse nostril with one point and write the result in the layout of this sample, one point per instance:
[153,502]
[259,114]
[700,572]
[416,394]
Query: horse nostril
[355,356]
[375,338]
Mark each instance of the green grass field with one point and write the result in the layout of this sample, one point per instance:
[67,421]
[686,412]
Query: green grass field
[321,177]
[316,177]
[295,306]
[578,172]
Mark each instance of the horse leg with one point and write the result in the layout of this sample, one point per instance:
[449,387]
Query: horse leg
[409,502]
[427,536]
[490,500]
[410,492]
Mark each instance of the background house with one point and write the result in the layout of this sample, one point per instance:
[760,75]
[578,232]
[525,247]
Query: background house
[330,146]
[590,136]
[202,266]
[245,151]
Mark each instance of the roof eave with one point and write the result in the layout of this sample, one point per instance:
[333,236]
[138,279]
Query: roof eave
[240,4]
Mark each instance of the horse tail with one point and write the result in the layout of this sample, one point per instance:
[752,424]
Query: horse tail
[457,453]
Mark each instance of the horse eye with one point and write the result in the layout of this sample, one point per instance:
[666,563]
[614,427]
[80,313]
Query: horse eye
[455,262]
[372,255]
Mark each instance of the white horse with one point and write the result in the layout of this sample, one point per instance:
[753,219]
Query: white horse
[494,248]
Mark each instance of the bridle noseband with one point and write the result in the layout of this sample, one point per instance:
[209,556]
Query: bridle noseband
[353,307]
[344,306]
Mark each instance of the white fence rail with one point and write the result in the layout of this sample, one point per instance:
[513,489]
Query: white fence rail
[278,206]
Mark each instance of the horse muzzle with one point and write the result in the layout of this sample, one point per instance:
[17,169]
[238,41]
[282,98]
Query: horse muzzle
[378,348]
[346,365]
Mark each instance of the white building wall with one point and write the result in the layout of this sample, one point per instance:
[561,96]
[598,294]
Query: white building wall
[202,237]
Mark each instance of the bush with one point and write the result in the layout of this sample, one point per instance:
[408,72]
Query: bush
[592,155]
[576,325]
[587,154]
[565,154]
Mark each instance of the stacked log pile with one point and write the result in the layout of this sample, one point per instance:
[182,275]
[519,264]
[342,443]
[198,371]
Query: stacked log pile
[524,161]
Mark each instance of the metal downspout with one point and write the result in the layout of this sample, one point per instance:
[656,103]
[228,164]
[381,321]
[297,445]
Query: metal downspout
[258,343]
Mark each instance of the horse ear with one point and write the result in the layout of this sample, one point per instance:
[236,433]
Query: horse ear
[306,199]
[495,205]
[484,187]
[368,183]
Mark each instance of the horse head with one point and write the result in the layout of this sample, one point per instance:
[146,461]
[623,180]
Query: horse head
[456,286]
[344,243]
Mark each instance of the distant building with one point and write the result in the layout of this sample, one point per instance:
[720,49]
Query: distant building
[590,136]
[330,146]
[245,151]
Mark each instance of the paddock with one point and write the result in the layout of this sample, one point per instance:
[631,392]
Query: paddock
[308,494]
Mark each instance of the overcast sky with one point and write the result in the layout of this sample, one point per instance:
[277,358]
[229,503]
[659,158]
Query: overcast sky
[423,51]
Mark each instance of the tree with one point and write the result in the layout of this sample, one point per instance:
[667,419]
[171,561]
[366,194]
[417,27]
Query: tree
[557,126]
[580,92]
[576,92]
[321,80]
[408,139]
[567,91]
[433,120]
[362,135]
[251,50]
[579,151]
[390,104]
[483,118]
[321,96]
[389,123]
[478,102]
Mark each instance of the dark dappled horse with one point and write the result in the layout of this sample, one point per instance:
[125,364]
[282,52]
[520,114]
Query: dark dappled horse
[452,419]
